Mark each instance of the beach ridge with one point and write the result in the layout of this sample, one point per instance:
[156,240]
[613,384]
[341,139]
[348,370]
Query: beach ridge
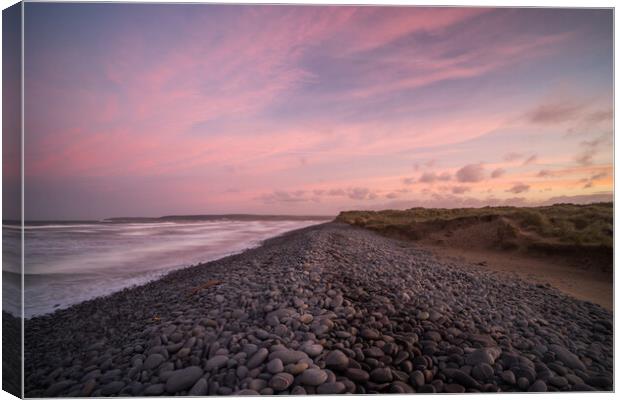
[325,309]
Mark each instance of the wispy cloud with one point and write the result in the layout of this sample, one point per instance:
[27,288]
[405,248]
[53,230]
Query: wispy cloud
[460,189]
[555,113]
[512,156]
[498,172]
[531,159]
[519,188]
[432,177]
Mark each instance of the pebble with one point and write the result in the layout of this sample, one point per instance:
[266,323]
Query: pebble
[538,386]
[523,383]
[312,349]
[417,378]
[154,390]
[216,362]
[313,377]
[258,358]
[257,384]
[371,334]
[357,375]
[486,355]
[464,379]
[299,390]
[296,369]
[288,356]
[482,372]
[153,361]
[336,360]
[381,375]
[58,387]
[281,381]
[509,377]
[331,388]
[455,388]
[112,388]
[275,366]
[183,379]
[247,392]
[200,388]
[568,358]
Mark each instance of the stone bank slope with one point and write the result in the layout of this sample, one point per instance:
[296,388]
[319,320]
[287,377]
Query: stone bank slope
[326,309]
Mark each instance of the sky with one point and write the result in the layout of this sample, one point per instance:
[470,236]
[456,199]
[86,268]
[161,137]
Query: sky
[154,109]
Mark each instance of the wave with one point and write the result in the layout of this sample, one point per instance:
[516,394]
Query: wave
[69,263]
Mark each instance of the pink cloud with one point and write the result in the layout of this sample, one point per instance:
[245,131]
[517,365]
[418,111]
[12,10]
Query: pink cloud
[471,173]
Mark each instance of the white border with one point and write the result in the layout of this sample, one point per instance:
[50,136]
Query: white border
[477,3]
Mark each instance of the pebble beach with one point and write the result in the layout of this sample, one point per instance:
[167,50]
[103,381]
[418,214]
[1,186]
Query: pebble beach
[328,309]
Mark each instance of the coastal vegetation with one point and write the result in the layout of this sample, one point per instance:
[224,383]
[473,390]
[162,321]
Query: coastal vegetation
[567,228]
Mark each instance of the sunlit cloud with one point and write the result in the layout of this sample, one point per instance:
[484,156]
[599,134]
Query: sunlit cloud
[497,173]
[471,173]
[209,109]
[519,188]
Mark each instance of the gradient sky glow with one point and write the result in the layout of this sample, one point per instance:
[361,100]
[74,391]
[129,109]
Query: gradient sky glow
[147,110]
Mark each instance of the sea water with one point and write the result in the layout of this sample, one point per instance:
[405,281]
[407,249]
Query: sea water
[68,263]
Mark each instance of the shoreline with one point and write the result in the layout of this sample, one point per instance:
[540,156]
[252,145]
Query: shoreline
[111,259]
[283,318]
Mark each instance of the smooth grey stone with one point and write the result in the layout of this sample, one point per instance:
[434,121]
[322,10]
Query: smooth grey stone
[381,375]
[370,333]
[558,381]
[416,378]
[509,377]
[112,388]
[275,366]
[463,378]
[281,381]
[538,386]
[486,355]
[582,387]
[331,388]
[258,358]
[267,391]
[200,388]
[312,350]
[523,383]
[247,392]
[288,356]
[454,388]
[336,360]
[242,371]
[482,372]
[183,379]
[154,390]
[299,390]
[257,384]
[357,375]
[56,388]
[153,361]
[313,377]
[569,359]
[216,362]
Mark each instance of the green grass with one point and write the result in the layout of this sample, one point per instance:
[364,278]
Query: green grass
[570,224]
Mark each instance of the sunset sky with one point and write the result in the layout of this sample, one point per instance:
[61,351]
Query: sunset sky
[148,110]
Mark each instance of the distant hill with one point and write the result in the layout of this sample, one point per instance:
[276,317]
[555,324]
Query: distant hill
[235,217]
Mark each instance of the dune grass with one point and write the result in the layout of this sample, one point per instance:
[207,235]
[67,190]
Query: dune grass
[569,224]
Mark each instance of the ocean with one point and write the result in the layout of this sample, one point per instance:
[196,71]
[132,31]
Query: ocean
[67,263]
